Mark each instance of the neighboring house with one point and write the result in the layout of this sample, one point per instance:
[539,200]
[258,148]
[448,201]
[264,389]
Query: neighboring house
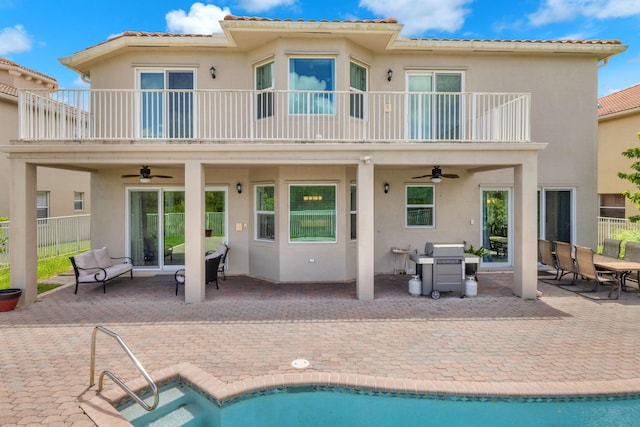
[618,127]
[60,192]
[309,146]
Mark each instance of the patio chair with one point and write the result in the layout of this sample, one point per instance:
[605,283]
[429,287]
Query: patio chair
[223,262]
[179,277]
[545,249]
[587,269]
[211,264]
[565,263]
[611,248]
[631,253]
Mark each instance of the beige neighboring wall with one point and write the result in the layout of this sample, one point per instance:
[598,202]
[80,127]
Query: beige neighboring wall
[618,128]
[61,184]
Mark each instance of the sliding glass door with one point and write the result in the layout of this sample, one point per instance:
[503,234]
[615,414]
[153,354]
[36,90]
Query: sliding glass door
[496,226]
[157,220]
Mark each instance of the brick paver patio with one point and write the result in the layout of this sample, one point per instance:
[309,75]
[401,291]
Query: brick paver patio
[493,343]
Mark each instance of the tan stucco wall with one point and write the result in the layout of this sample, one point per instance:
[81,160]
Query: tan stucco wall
[60,183]
[615,135]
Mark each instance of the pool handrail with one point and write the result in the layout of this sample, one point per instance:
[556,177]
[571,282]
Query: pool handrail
[115,379]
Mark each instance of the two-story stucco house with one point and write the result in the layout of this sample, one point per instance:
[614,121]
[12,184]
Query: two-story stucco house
[618,127]
[60,192]
[315,147]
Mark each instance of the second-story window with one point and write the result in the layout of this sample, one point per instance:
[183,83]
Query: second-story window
[312,85]
[166,103]
[357,87]
[264,83]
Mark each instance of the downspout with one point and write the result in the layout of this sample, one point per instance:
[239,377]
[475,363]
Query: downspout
[604,62]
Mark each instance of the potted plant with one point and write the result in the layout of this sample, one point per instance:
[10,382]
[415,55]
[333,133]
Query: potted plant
[469,268]
[9,298]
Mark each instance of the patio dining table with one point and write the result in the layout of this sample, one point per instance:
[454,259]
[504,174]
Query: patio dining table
[617,266]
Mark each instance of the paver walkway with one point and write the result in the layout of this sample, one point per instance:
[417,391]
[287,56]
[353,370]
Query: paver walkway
[560,343]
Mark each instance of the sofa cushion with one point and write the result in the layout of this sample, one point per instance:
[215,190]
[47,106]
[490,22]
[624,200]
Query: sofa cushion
[86,261]
[103,257]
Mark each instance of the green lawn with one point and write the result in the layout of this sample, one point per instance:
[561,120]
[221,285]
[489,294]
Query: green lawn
[46,268]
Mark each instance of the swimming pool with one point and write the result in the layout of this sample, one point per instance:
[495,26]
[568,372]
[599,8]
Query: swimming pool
[311,406]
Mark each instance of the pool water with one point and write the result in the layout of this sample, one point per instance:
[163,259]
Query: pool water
[328,406]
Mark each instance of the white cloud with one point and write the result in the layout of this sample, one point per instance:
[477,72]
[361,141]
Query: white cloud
[78,83]
[564,10]
[254,6]
[421,16]
[14,40]
[201,19]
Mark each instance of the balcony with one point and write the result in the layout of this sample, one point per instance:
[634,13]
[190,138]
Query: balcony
[143,116]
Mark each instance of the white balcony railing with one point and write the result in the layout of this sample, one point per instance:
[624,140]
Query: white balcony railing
[136,115]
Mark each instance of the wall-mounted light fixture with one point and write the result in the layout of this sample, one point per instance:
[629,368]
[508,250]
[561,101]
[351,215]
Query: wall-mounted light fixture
[239,188]
[386,187]
[389,74]
[212,70]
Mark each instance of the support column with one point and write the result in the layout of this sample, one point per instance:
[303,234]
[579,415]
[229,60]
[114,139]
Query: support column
[194,232]
[525,227]
[24,231]
[366,231]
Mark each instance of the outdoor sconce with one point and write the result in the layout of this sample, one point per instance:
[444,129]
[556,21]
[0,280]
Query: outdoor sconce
[239,188]
[212,70]
[386,187]
[389,74]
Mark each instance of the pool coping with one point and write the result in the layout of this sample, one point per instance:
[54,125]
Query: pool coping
[102,411]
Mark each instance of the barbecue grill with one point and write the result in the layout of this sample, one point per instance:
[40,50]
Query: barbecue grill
[441,268]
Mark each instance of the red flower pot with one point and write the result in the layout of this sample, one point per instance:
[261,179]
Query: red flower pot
[9,298]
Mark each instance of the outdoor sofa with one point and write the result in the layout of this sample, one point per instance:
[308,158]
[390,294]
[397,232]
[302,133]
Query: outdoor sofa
[97,266]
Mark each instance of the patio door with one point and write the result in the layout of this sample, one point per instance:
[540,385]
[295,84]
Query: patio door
[434,105]
[166,103]
[156,225]
[556,214]
[496,226]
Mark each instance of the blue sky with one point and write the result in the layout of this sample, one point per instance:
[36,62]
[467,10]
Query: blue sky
[35,33]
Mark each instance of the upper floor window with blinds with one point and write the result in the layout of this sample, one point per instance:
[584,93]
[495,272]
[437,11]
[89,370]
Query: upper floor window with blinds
[264,82]
[357,87]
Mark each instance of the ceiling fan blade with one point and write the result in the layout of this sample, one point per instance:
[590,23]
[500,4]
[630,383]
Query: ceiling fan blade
[160,176]
[423,176]
[130,176]
[450,175]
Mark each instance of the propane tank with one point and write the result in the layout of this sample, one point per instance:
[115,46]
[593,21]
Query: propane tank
[415,285]
[471,287]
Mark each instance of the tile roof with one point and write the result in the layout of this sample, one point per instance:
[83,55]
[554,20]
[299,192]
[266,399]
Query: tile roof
[363,21]
[8,90]
[617,102]
[6,63]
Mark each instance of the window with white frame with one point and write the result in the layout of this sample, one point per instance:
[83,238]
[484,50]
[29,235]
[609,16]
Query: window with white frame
[265,212]
[312,213]
[353,212]
[42,204]
[612,205]
[265,84]
[420,206]
[78,201]
[312,85]
[357,87]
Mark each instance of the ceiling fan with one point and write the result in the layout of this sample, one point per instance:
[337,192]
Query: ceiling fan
[437,175]
[145,175]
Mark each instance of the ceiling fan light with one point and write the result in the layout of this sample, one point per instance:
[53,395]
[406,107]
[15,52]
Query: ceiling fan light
[436,179]
[145,180]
